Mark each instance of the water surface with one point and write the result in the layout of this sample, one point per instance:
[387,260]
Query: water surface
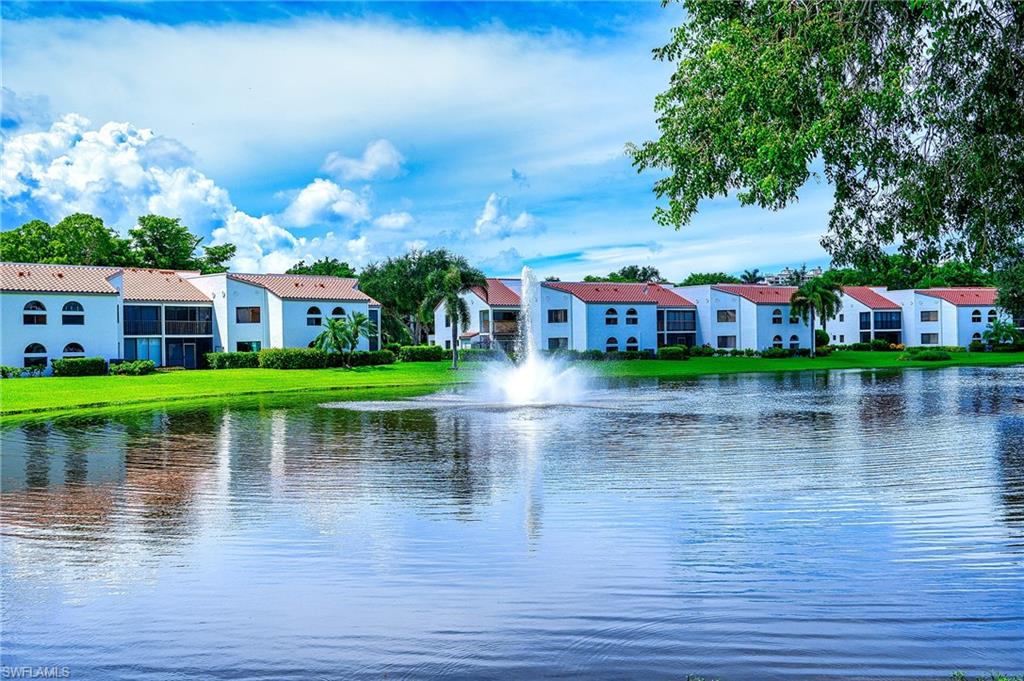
[846,525]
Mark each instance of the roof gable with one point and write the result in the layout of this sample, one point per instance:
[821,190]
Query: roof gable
[497,294]
[307,286]
[41,278]
[870,298]
[615,292]
[161,285]
[759,294]
[964,296]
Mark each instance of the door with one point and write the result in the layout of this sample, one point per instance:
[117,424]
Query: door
[190,355]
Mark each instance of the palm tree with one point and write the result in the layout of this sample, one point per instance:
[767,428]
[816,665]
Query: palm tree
[342,334]
[446,287]
[817,296]
[751,276]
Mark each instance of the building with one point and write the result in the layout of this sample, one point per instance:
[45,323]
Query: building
[866,314]
[746,316]
[948,316]
[493,317]
[171,317]
[786,275]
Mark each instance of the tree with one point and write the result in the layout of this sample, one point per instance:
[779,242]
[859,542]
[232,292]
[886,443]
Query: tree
[342,334]
[913,108]
[816,297]
[164,243]
[1011,289]
[83,239]
[631,274]
[797,277]
[709,278]
[215,258]
[28,243]
[751,276]
[1001,333]
[324,266]
[446,287]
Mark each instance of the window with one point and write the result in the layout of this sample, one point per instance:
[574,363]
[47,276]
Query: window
[338,312]
[776,316]
[188,320]
[73,349]
[888,320]
[611,317]
[35,355]
[842,317]
[74,314]
[865,336]
[794,342]
[632,344]
[558,343]
[631,317]
[842,338]
[448,344]
[929,339]
[247,346]
[976,316]
[141,320]
[727,342]
[793,319]
[558,316]
[142,348]
[448,323]
[992,316]
[611,345]
[313,317]
[247,315]
[777,342]
[35,313]
[726,316]
[679,320]
[865,320]
[976,338]
[929,315]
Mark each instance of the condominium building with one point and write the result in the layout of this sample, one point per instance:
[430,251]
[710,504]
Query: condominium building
[746,316]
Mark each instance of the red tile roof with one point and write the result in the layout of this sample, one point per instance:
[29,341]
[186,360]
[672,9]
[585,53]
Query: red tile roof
[870,298]
[611,292]
[497,294]
[37,278]
[963,296]
[307,286]
[759,294]
[161,285]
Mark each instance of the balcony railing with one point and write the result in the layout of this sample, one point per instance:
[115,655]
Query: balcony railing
[142,327]
[680,326]
[189,328]
[506,327]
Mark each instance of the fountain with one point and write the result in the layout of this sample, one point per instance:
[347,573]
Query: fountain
[534,378]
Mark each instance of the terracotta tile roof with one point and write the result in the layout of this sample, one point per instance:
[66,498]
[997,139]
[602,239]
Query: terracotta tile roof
[612,292]
[307,286]
[38,278]
[469,334]
[759,294]
[963,296]
[161,285]
[497,293]
[870,298]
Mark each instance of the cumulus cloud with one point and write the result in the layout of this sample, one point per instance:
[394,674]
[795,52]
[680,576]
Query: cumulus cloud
[380,160]
[504,262]
[495,221]
[324,202]
[398,220]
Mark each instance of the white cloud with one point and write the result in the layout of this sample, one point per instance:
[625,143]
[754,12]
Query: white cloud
[380,160]
[22,113]
[415,245]
[323,202]
[397,220]
[495,221]
[505,262]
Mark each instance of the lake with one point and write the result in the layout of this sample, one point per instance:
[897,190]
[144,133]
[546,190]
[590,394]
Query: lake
[843,525]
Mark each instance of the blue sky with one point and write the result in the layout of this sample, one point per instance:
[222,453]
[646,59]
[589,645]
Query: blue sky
[302,130]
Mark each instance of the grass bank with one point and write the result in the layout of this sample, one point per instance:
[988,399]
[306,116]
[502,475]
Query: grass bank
[54,395]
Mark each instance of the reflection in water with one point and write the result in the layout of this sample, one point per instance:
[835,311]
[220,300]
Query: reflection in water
[831,525]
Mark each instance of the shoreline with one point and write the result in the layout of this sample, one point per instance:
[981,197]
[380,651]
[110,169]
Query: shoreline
[35,398]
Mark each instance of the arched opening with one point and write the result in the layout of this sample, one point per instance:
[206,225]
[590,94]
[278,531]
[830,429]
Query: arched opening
[632,345]
[632,318]
[74,350]
[976,316]
[35,313]
[338,312]
[35,355]
[794,342]
[777,342]
[992,316]
[73,314]
[611,317]
[611,345]
[776,316]
[976,338]
[313,316]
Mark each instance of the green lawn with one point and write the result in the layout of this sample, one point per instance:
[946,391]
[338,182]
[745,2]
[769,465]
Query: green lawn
[38,395]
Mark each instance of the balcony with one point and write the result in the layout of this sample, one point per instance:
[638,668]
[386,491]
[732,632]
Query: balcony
[188,328]
[142,327]
[680,326]
[506,327]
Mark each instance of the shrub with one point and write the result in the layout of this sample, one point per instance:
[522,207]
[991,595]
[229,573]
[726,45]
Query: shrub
[776,353]
[821,338]
[800,352]
[860,347]
[823,351]
[371,358]
[21,372]
[293,358]
[394,348]
[1008,347]
[702,351]
[945,348]
[676,352]
[80,366]
[751,352]
[627,355]
[233,360]
[591,356]
[139,367]
[423,353]
[928,355]
[976,346]
[482,355]
[880,345]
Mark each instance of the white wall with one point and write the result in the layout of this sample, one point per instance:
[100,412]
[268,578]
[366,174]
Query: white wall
[100,336]
[215,286]
[290,317]
[475,303]
[553,299]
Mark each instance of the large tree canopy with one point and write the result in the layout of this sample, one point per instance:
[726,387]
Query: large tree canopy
[644,274]
[913,108]
[329,266]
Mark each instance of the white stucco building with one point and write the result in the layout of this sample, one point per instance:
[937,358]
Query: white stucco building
[493,317]
[948,316]
[866,314]
[746,316]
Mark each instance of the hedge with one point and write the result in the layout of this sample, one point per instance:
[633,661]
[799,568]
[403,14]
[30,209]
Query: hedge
[913,349]
[482,355]
[80,366]
[928,355]
[673,352]
[233,360]
[21,372]
[139,367]
[423,353]
[371,358]
[309,358]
